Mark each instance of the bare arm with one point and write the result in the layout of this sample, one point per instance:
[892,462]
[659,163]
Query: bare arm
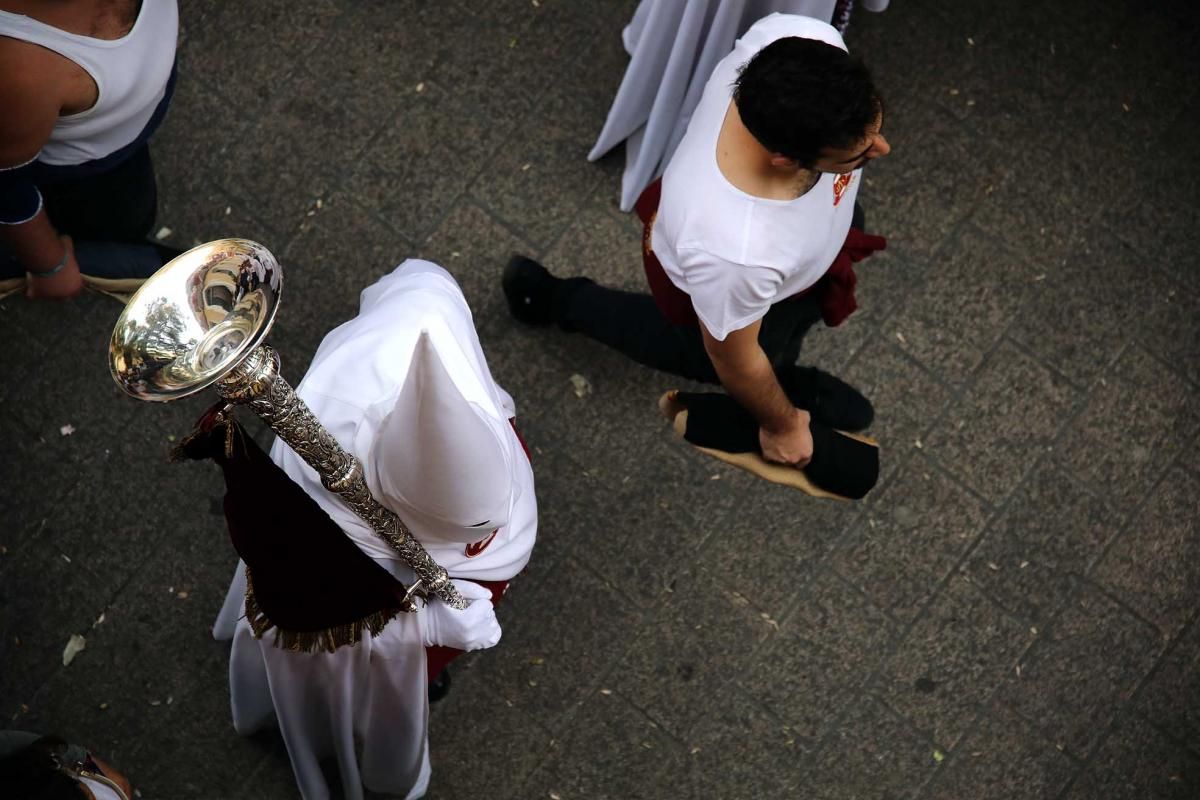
[31,109]
[747,375]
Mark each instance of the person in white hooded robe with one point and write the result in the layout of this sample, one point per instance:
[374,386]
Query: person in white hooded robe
[405,387]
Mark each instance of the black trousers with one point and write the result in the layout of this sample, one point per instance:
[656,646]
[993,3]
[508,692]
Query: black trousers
[119,205]
[109,216]
[632,324]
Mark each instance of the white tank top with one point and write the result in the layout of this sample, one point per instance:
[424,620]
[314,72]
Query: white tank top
[131,76]
[101,791]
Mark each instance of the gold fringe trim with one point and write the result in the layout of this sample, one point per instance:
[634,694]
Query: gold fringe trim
[224,418]
[326,640]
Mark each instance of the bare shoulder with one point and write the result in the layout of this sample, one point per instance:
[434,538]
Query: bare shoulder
[29,93]
[25,63]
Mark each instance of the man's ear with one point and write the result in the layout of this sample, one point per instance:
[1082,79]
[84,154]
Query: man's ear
[781,161]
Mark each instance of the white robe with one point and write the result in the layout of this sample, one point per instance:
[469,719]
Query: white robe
[375,692]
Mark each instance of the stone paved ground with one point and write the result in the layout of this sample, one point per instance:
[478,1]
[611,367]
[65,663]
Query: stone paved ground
[1012,614]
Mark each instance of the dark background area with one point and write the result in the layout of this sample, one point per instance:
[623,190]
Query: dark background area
[1011,614]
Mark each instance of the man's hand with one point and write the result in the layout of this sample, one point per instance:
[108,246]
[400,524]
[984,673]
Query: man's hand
[62,285]
[747,374]
[792,445]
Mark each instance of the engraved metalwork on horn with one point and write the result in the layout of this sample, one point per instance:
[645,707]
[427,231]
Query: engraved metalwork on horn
[199,322]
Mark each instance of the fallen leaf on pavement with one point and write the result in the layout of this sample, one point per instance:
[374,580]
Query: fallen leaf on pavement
[581,385]
[74,647]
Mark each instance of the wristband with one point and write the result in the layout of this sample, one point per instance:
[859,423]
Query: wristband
[53,270]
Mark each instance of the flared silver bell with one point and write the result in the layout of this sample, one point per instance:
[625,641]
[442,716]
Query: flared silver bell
[195,319]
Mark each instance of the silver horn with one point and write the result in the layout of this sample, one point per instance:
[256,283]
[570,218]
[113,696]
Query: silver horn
[200,321]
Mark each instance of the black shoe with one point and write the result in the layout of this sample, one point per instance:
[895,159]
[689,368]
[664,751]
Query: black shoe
[439,687]
[529,288]
[831,401]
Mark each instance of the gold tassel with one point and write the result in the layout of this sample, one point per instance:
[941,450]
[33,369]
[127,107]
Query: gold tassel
[223,418]
[326,640]
[230,430]
[178,452]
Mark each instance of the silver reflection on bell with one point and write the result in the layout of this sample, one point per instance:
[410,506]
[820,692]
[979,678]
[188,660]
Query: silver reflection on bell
[199,322]
[194,319]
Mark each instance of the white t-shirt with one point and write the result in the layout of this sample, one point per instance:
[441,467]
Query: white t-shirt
[100,791]
[735,254]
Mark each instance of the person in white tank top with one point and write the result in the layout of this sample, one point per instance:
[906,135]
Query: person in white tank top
[84,84]
[756,205]
[46,766]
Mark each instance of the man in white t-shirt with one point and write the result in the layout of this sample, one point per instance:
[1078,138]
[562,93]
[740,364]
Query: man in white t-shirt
[756,206]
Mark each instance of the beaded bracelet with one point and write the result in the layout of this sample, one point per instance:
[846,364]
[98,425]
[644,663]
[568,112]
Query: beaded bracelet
[53,270]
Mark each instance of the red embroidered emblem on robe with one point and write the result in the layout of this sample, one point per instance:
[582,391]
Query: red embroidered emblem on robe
[475,548]
[840,184]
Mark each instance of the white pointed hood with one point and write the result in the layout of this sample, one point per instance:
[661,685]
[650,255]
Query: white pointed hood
[406,388]
[439,460]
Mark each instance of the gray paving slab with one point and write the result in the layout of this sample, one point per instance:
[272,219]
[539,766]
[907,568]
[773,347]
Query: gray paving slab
[833,349]
[372,55]
[821,658]
[38,621]
[1169,325]
[537,181]
[556,663]
[1011,614]
[871,753]
[926,195]
[915,532]
[1077,314]
[247,54]
[603,244]
[694,645]
[1162,590]
[1134,425]
[745,749]
[951,661]
[414,169]
[1003,423]
[1138,762]
[503,763]
[1080,670]
[1169,699]
[1028,559]
[168,604]
[1003,758]
[618,757]
[769,555]
[294,151]
[965,303]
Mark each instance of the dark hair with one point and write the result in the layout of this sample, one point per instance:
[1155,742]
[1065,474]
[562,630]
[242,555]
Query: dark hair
[800,96]
[33,772]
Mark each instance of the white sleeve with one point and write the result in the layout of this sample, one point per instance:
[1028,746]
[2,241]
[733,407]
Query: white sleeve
[727,296]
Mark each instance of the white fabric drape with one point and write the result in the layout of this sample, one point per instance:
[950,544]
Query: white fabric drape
[674,46]
[375,693]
